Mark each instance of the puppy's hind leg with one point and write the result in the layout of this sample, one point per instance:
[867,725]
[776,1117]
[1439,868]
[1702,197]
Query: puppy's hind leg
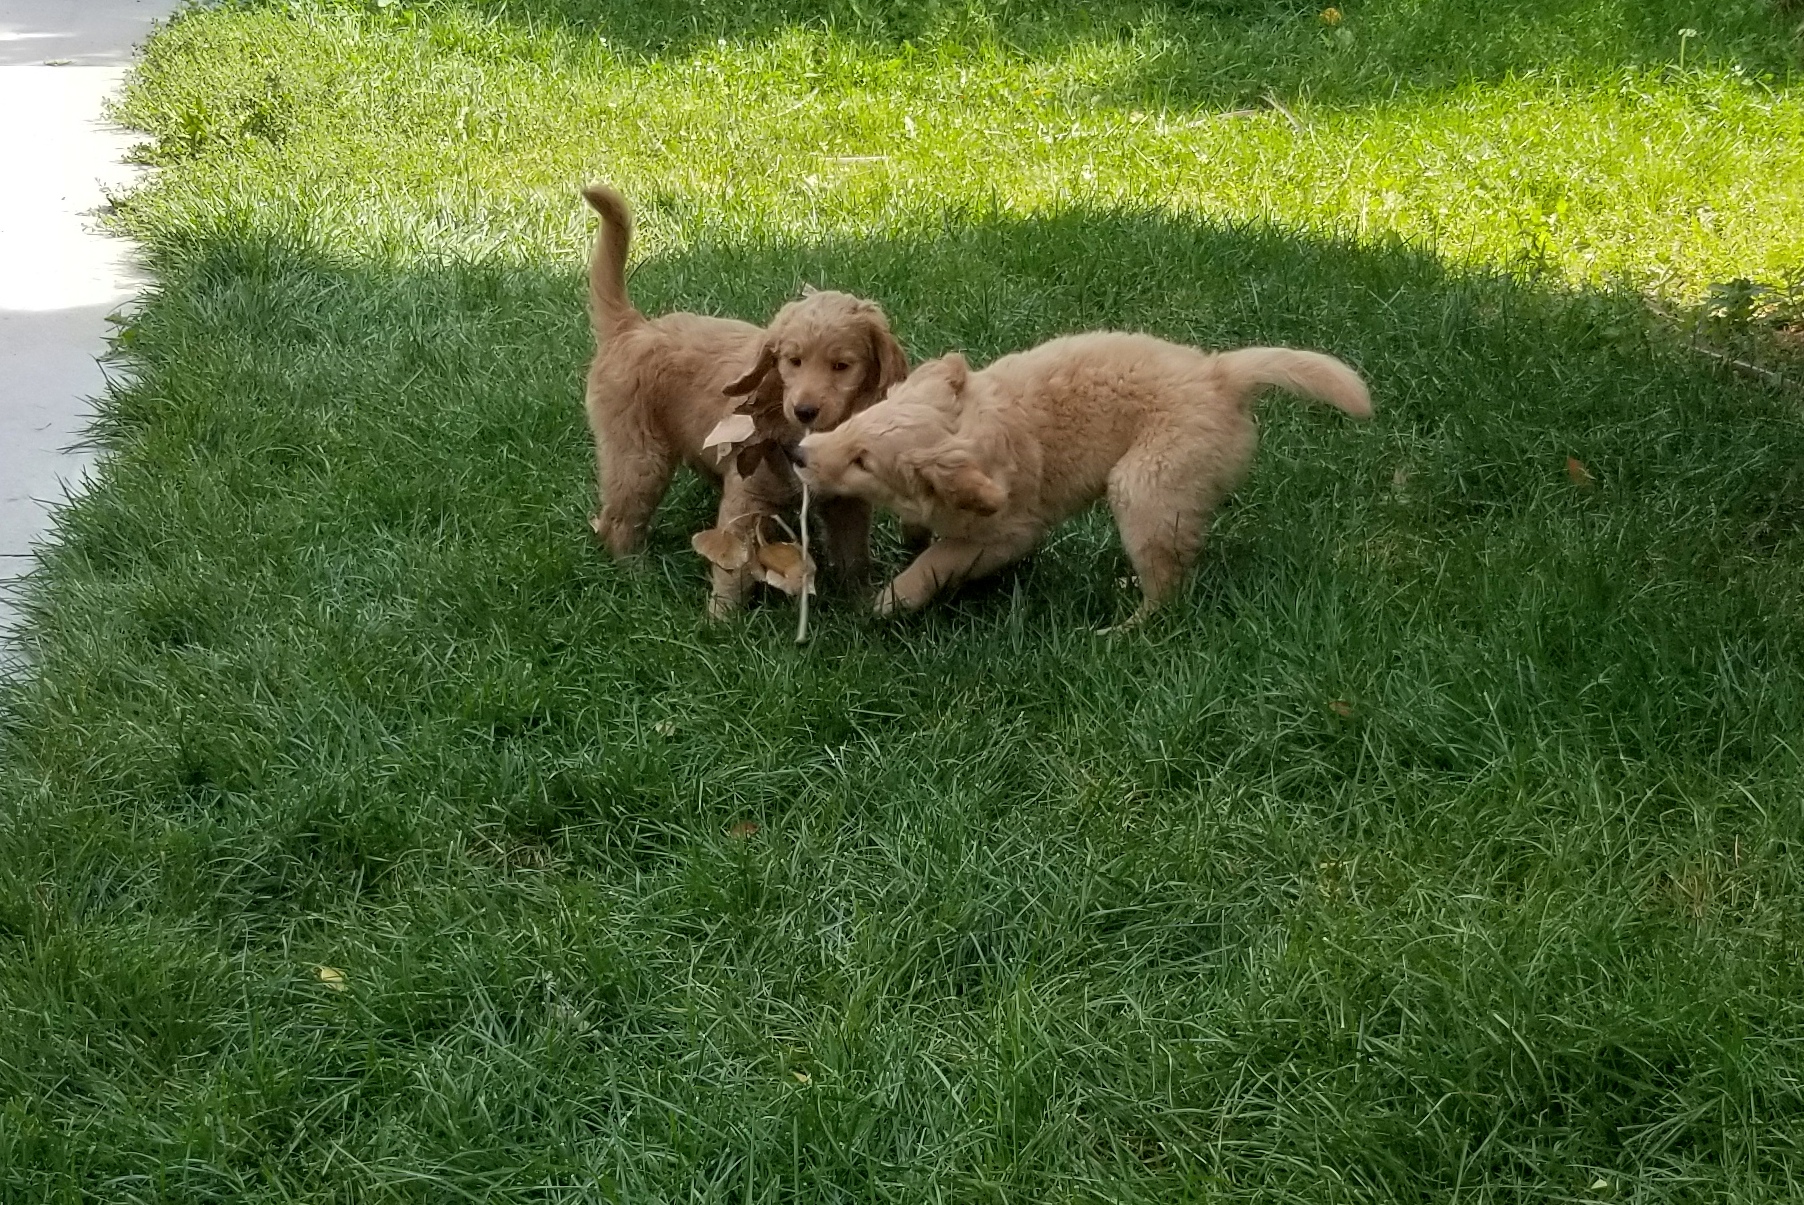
[1162,506]
[633,475]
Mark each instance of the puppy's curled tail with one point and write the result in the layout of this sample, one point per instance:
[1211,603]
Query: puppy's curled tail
[1309,373]
[609,307]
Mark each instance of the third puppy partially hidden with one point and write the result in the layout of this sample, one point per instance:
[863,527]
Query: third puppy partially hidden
[991,461]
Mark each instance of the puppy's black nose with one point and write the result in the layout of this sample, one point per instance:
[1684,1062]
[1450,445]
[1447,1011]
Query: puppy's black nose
[796,456]
[807,414]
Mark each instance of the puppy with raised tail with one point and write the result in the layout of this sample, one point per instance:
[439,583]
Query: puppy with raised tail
[991,461]
[658,386]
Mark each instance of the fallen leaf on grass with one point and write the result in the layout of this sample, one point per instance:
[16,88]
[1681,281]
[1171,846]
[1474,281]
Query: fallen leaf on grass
[744,829]
[332,977]
[1578,474]
[802,1077]
[1341,708]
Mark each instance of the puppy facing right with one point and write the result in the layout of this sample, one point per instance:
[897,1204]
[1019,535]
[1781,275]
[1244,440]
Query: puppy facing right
[991,461]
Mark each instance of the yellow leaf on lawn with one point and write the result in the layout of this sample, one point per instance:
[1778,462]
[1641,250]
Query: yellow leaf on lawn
[332,977]
[1579,474]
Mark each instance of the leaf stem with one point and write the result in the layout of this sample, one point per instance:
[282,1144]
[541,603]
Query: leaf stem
[807,575]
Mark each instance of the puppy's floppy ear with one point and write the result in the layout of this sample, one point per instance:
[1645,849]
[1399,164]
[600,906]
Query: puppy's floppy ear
[767,360]
[888,359]
[959,482]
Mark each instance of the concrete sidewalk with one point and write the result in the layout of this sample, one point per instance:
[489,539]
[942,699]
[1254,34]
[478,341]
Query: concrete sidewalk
[59,279]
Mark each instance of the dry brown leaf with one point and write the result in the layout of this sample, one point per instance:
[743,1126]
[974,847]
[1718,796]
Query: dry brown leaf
[770,431]
[750,456]
[753,435]
[743,830]
[735,428]
[1341,708]
[778,563]
[1578,474]
[784,566]
[724,548]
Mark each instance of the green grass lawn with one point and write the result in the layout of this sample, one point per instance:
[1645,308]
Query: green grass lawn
[366,835]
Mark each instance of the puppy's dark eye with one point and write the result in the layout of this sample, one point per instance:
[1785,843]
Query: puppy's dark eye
[840,366]
[795,361]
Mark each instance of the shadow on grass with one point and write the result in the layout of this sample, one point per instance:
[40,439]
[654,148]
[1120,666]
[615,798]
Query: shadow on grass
[1215,52]
[1398,854]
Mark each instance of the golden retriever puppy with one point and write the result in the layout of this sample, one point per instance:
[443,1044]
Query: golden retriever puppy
[658,386]
[991,461]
